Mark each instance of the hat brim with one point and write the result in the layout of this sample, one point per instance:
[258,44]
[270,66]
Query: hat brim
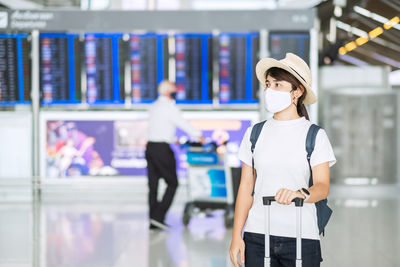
[266,63]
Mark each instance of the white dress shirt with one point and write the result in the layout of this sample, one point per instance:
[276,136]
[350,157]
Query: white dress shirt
[165,117]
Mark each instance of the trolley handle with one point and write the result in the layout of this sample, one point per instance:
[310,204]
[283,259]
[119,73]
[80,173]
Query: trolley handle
[297,201]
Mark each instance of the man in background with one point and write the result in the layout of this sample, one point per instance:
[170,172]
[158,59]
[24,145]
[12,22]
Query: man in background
[164,118]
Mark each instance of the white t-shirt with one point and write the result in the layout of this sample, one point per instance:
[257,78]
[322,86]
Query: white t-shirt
[280,158]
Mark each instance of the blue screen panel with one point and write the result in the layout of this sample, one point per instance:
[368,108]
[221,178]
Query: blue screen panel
[237,56]
[104,68]
[15,71]
[193,59]
[60,68]
[149,65]
[281,43]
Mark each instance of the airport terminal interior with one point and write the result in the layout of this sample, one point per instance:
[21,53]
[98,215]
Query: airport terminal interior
[78,82]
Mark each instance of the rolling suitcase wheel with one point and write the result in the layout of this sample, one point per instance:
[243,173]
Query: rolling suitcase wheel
[299,204]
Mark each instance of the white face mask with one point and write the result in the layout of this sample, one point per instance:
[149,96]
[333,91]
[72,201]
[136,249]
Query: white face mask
[276,101]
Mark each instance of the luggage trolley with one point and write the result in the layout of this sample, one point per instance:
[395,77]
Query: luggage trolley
[209,182]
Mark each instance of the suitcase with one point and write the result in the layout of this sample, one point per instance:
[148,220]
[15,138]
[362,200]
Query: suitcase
[299,204]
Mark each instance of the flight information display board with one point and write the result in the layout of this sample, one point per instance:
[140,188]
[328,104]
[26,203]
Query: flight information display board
[60,81]
[281,43]
[193,59]
[104,56]
[15,72]
[237,57]
[149,65]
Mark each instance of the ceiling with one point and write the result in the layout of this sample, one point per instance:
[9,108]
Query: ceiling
[356,20]
[336,30]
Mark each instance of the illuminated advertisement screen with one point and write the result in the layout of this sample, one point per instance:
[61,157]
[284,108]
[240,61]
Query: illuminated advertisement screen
[117,147]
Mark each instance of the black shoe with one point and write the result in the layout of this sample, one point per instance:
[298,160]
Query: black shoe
[153,227]
[159,225]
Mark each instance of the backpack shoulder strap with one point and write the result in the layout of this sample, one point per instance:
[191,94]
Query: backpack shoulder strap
[255,133]
[323,211]
[310,144]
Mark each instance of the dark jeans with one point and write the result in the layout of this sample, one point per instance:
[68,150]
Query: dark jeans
[160,163]
[282,251]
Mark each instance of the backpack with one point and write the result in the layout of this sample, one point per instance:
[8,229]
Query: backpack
[323,211]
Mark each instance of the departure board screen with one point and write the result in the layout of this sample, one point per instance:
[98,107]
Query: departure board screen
[149,65]
[193,57]
[281,43]
[238,54]
[59,68]
[26,69]
[8,69]
[14,69]
[104,68]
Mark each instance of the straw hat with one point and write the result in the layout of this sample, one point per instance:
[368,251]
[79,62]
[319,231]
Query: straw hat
[292,64]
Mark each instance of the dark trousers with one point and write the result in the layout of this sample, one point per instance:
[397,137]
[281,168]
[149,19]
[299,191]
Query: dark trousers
[282,251]
[161,163]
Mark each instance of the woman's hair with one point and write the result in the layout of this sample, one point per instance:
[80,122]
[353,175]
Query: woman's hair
[283,75]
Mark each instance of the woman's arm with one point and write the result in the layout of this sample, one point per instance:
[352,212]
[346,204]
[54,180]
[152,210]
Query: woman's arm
[321,182]
[244,200]
[318,191]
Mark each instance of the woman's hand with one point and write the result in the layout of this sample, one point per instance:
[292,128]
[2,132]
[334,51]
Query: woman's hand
[237,245]
[285,196]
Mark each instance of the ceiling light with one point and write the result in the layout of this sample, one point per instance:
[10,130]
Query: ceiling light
[350,46]
[348,28]
[342,50]
[361,40]
[386,60]
[353,60]
[337,11]
[391,23]
[375,32]
[376,17]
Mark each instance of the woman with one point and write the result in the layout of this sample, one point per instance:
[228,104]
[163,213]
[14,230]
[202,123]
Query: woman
[281,170]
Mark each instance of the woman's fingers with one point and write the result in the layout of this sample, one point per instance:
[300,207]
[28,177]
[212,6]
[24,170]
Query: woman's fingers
[234,254]
[236,248]
[285,196]
[278,196]
[242,254]
[232,257]
[291,197]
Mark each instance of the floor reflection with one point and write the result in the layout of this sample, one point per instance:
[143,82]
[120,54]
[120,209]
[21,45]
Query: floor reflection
[363,231]
[16,235]
[80,239]
[119,238]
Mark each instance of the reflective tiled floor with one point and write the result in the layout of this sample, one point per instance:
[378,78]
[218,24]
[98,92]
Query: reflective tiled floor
[364,231]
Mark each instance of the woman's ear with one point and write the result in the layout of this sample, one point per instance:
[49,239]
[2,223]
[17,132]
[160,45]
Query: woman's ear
[299,91]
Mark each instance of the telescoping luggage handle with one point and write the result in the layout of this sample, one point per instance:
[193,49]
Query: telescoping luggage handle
[299,204]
